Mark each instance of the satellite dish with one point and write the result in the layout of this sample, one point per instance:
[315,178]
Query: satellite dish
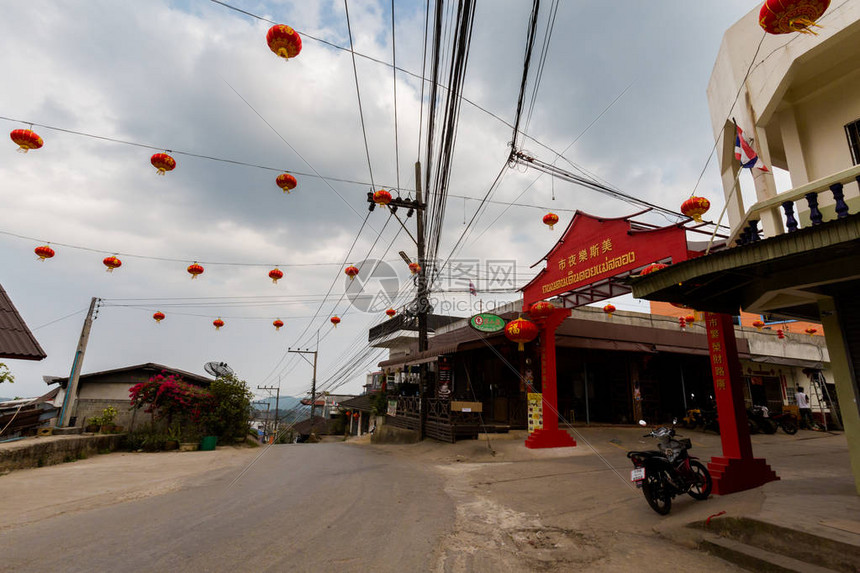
[218,369]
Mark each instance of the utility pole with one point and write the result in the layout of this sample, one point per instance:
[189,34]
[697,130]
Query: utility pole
[70,399]
[302,353]
[277,401]
[422,302]
[423,305]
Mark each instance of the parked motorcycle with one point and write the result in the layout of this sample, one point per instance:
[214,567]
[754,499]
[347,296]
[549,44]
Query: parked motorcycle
[786,420]
[693,419]
[760,421]
[668,471]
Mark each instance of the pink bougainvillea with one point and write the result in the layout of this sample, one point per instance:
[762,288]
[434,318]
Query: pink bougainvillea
[167,396]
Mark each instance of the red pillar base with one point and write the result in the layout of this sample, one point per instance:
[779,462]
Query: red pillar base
[736,474]
[542,438]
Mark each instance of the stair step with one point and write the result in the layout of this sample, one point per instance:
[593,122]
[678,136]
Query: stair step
[756,559]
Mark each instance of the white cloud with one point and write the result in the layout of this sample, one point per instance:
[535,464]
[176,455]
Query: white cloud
[156,73]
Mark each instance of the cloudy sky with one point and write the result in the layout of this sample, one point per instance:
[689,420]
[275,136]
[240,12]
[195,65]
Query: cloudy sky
[193,76]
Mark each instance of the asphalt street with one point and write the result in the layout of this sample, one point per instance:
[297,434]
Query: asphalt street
[329,506]
[474,506]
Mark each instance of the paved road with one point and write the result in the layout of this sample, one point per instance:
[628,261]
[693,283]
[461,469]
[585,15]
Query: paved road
[299,508]
[445,508]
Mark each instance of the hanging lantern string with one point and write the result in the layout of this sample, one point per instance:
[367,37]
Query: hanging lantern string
[187,153]
[168,259]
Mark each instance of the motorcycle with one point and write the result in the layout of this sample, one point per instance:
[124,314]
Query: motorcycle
[669,471]
[693,419]
[760,421]
[785,420]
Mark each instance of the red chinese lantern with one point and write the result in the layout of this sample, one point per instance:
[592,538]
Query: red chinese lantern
[390,312]
[26,139]
[695,207]
[414,268]
[787,16]
[163,163]
[276,274]
[286,182]
[550,219]
[651,268]
[521,331]
[195,270]
[758,324]
[690,318]
[355,416]
[351,272]
[810,331]
[682,322]
[44,252]
[278,323]
[112,263]
[609,309]
[217,323]
[780,334]
[158,316]
[284,41]
[541,309]
[335,320]
[347,413]
[382,197]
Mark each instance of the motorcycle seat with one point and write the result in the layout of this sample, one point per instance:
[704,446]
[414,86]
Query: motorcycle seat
[645,454]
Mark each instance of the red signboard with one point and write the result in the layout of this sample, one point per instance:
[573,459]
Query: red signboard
[594,249]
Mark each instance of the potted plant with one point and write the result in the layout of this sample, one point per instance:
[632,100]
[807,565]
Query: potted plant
[107,418]
[93,424]
[173,434]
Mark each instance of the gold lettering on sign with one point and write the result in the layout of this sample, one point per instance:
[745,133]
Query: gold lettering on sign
[590,272]
[594,251]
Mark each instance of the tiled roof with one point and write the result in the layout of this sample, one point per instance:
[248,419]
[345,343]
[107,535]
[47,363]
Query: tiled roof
[16,340]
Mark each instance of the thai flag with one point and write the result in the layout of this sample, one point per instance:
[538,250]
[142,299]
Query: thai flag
[472,290]
[745,153]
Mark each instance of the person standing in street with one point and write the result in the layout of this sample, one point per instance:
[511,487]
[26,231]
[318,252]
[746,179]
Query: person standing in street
[805,411]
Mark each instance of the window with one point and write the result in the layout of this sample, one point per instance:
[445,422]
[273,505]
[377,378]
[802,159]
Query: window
[852,130]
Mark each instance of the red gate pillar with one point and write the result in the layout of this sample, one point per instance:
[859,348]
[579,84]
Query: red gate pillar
[736,469]
[550,436]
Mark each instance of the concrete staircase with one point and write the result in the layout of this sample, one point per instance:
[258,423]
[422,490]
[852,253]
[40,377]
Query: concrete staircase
[762,546]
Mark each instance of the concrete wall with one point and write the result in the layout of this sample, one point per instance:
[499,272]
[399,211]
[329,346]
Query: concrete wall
[46,451]
[88,408]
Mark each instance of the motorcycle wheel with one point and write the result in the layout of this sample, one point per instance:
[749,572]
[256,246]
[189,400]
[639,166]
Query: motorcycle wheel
[769,426]
[703,484]
[654,488]
[788,426]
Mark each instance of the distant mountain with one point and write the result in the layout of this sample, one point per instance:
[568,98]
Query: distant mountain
[285,403]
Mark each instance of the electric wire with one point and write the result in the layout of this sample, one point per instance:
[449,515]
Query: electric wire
[358,95]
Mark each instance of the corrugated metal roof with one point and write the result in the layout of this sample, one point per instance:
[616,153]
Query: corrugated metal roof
[16,340]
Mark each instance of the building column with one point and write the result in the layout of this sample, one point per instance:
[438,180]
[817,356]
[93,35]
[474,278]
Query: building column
[550,436]
[736,469]
[844,378]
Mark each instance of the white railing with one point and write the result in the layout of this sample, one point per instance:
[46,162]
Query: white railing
[748,232]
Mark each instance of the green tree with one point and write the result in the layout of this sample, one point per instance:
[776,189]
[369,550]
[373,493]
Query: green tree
[230,416]
[5,374]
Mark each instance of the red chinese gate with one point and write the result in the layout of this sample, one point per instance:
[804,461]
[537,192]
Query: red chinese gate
[588,264]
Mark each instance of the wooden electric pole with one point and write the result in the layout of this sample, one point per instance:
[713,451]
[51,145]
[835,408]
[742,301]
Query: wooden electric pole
[277,402]
[70,399]
[302,353]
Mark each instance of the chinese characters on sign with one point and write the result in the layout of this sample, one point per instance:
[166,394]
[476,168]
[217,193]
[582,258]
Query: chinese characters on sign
[719,363]
[595,250]
[535,411]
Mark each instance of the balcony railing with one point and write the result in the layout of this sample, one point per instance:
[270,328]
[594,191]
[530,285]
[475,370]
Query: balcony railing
[748,232]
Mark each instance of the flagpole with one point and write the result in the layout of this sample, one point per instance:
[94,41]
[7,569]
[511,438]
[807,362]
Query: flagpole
[723,212]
